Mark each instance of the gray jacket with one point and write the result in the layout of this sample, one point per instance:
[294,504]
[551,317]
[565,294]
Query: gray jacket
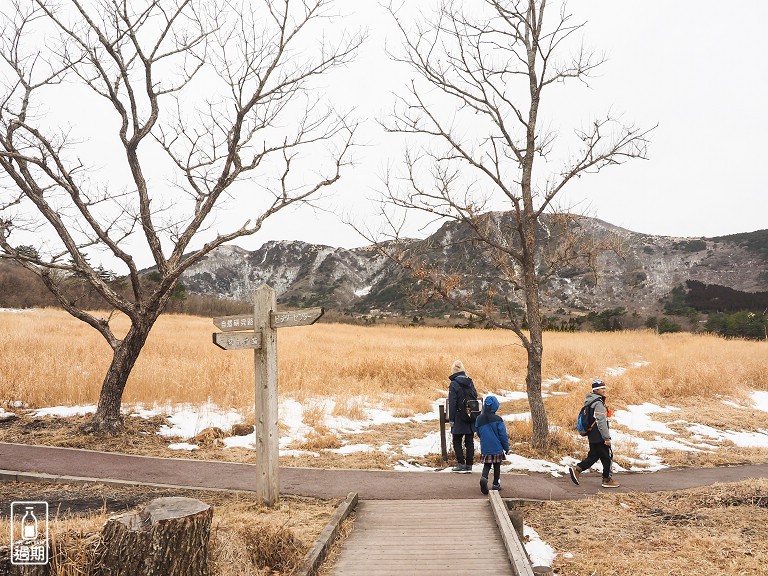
[600,432]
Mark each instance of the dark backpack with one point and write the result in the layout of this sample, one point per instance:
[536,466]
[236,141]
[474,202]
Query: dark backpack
[469,405]
[585,421]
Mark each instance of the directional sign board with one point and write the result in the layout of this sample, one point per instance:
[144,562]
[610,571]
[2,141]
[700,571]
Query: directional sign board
[303,317]
[234,323]
[285,319]
[237,340]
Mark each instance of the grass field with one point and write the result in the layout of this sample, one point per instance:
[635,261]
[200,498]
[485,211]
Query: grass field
[48,358]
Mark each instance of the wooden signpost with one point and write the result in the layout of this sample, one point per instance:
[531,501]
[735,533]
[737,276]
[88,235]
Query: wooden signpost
[259,333]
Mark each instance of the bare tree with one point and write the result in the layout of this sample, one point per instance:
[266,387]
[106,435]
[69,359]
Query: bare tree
[204,104]
[481,72]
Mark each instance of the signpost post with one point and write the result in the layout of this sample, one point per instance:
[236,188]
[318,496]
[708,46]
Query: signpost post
[259,333]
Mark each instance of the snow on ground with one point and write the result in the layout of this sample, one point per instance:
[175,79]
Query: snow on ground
[187,421]
[6,415]
[64,411]
[760,400]
[637,418]
[183,446]
[540,553]
[757,439]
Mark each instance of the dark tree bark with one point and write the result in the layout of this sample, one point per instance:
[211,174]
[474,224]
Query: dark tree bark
[169,537]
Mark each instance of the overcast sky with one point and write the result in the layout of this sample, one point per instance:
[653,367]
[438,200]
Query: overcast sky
[698,69]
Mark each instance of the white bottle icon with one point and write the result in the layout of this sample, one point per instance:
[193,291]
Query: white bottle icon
[29,525]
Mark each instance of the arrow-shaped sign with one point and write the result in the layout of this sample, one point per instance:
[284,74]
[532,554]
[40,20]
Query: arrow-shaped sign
[237,340]
[285,319]
[302,317]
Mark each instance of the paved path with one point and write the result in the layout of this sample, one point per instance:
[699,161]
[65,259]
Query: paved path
[18,459]
[425,537]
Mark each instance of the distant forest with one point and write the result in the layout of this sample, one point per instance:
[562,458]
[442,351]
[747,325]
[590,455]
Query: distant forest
[711,298]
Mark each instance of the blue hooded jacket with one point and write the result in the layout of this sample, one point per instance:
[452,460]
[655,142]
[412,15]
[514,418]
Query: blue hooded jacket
[491,428]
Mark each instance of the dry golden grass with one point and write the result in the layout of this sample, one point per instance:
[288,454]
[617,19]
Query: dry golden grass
[49,358]
[720,529]
[246,537]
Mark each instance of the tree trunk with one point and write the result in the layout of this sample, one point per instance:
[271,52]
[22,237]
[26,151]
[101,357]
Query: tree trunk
[108,419]
[168,538]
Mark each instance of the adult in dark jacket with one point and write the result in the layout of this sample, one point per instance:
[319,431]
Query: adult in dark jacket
[461,430]
[494,442]
[599,438]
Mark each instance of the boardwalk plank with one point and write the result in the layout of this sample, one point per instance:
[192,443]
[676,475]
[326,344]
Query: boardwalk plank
[444,537]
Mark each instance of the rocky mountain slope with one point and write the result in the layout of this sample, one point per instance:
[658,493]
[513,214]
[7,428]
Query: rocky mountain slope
[638,275]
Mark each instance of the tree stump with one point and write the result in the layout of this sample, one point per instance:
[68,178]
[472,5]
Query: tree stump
[169,537]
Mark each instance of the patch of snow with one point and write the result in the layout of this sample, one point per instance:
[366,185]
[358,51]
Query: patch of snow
[640,364]
[363,291]
[247,441]
[539,552]
[615,371]
[517,462]
[515,417]
[352,449]
[508,395]
[757,439]
[732,404]
[183,446]
[636,418]
[6,415]
[429,444]
[16,310]
[571,378]
[405,466]
[64,411]
[760,400]
[187,421]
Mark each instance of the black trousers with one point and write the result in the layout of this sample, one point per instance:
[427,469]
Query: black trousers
[496,471]
[469,442]
[598,452]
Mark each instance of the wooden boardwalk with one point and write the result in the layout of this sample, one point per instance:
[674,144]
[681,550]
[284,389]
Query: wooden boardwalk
[424,537]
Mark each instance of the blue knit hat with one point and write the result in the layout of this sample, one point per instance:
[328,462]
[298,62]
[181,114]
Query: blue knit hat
[491,404]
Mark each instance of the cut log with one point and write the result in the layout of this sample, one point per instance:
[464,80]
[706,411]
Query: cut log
[169,537]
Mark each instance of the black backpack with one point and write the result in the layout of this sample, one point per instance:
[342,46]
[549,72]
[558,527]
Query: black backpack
[585,421]
[469,405]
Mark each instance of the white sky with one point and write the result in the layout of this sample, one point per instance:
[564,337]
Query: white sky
[698,69]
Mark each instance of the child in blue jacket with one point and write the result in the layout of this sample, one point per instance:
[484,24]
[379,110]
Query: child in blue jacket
[494,442]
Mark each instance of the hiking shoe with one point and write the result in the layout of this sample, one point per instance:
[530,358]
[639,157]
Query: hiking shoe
[484,485]
[610,483]
[496,487]
[575,472]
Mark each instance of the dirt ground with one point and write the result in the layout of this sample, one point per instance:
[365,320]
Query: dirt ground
[720,529]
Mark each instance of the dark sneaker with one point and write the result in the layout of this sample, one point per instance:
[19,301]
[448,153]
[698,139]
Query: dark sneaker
[466,469]
[484,485]
[610,483]
[575,472]
[458,468]
[496,487]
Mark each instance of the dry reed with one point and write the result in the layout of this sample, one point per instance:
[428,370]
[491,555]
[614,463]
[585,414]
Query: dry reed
[48,358]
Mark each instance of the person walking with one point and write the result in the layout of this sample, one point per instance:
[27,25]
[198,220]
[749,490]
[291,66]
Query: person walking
[494,443]
[599,436]
[462,429]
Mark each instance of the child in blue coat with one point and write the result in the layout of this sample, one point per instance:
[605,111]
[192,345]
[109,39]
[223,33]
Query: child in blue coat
[494,442]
